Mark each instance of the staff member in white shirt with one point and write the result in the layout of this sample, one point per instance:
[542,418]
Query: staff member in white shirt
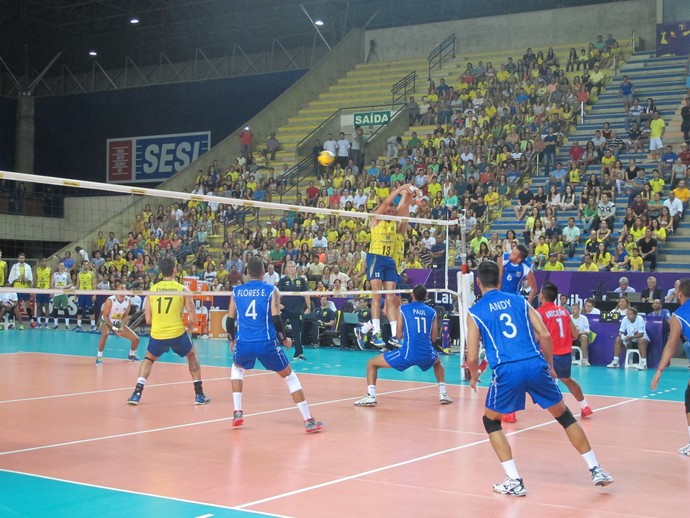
[583,332]
[632,334]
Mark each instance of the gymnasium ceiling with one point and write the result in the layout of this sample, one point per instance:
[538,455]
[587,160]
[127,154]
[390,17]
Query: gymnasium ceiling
[34,31]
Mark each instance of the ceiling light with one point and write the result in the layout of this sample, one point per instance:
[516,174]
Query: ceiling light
[318,22]
[93,53]
[134,20]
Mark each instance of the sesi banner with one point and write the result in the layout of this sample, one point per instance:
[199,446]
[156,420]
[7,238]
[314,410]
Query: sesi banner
[153,158]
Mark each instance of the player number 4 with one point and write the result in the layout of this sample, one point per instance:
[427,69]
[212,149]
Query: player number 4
[251,310]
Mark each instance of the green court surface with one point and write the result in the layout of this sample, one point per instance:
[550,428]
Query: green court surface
[32,496]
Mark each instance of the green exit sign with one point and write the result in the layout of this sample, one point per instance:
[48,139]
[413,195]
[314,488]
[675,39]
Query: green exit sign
[372,118]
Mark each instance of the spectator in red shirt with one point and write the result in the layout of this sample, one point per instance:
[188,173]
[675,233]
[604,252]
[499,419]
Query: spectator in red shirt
[312,194]
[576,151]
[684,154]
[246,141]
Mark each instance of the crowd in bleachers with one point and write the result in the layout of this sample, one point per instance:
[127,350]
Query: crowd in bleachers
[480,136]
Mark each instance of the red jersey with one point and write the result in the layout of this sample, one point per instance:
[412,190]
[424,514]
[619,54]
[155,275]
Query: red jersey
[557,321]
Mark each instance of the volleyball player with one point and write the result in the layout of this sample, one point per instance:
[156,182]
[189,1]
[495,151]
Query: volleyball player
[43,275]
[679,325]
[61,280]
[513,327]
[85,281]
[418,329]
[255,307]
[398,256]
[381,269]
[115,316]
[515,273]
[164,315]
[562,330]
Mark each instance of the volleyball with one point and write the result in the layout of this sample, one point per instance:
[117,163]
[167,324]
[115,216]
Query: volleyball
[326,158]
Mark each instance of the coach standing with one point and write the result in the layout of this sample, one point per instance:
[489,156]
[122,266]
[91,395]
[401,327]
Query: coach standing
[294,306]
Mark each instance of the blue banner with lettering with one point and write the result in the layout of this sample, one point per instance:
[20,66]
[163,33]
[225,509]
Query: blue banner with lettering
[673,39]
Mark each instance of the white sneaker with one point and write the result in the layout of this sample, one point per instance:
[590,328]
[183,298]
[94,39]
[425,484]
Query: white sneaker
[641,366]
[584,363]
[444,399]
[613,365]
[366,401]
[685,450]
[511,486]
[600,477]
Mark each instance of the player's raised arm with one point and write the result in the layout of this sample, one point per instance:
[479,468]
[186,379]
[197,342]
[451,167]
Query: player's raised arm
[383,207]
[532,283]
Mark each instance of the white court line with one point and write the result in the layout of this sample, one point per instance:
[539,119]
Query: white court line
[90,392]
[141,493]
[195,423]
[405,462]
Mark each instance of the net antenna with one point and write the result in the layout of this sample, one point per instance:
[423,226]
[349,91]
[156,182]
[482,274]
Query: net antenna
[465,292]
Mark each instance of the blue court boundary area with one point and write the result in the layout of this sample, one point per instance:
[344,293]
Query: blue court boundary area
[32,496]
[332,361]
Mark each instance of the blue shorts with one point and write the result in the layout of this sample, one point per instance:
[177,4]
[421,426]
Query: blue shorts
[180,345]
[382,268]
[511,381]
[23,296]
[84,302]
[42,298]
[562,364]
[269,353]
[399,362]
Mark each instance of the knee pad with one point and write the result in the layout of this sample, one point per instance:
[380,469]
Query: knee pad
[566,419]
[687,399]
[292,381]
[236,373]
[491,425]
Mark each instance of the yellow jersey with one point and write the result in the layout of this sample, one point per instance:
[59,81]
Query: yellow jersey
[399,251]
[3,272]
[166,311]
[43,277]
[22,273]
[636,264]
[85,280]
[383,238]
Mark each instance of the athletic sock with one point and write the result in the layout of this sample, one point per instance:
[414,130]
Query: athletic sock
[371,390]
[441,388]
[139,388]
[590,459]
[304,410]
[93,323]
[197,388]
[66,322]
[99,354]
[377,325]
[237,400]
[394,329]
[366,327]
[79,322]
[617,359]
[583,403]
[132,352]
[643,361]
[688,431]
[511,469]
[56,321]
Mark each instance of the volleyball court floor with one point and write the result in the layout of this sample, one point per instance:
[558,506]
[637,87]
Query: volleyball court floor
[70,446]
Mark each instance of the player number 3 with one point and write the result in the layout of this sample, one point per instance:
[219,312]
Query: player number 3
[505,318]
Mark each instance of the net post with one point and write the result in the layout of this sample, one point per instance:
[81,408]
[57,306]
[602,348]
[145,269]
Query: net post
[465,301]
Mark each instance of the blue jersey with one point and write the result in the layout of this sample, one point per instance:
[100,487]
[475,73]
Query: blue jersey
[503,321]
[683,316]
[417,319]
[514,274]
[253,300]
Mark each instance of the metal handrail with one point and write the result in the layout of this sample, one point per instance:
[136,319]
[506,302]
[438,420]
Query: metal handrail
[338,112]
[393,116]
[437,55]
[402,86]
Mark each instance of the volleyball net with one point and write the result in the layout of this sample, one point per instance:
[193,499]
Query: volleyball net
[123,231]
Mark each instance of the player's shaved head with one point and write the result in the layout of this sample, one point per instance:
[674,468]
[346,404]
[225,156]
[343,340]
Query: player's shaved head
[549,291]
[419,293]
[487,273]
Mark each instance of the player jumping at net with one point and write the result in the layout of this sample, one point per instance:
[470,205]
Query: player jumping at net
[418,328]
[381,268]
[679,325]
[562,330]
[114,318]
[255,308]
[516,276]
[515,331]
[164,315]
